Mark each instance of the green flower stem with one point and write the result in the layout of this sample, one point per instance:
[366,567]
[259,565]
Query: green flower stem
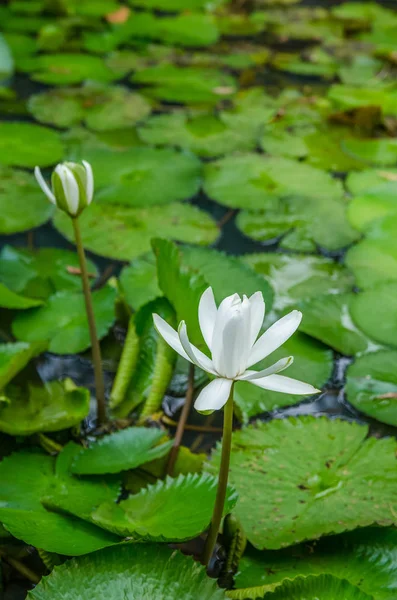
[222,481]
[96,350]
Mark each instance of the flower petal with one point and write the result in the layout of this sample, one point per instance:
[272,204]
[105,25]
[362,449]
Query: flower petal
[207,312]
[257,315]
[279,383]
[275,336]
[70,188]
[225,311]
[90,181]
[169,335]
[42,183]
[214,395]
[280,365]
[236,341]
[195,355]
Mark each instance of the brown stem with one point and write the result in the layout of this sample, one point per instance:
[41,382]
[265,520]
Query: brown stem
[181,423]
[222,480]
[21,568]
[200,428]
[96,350]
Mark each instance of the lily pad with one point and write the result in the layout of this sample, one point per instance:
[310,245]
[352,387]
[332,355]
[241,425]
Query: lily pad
[186,508]
[138,281]
[312,362]
[374,259]
[40,273]
[52,407]
[140,176]
[101,108]
[382,152]
[358,557]
[120,451]
[301,478]
[27,477]
[372,385]
[226,274]
[6,60]
[133,572]
[102,226]
[378,324]
[186,85]
[63,321]
[9,299]
[330,320]
[16,142]
[294,277]
[14,357]
[67,69]
[176,5]
[347,96]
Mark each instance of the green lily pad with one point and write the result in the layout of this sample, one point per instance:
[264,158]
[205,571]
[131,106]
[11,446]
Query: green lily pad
[346,97]
[140,176]
[16,143]
[27,477]
[67,69]
[374,259]
[294,277]
[329,319]
[14,357]
[23,205]
[102,225]
[138,281]
[313,362]
[131,572]
[9,299]
[382,152]
[364,210]
[252,181]
[101,108]
[301,478]
[206,135]
[53,407]
[40,273]
[120,451]
[226,274]
[378,324]
[155,364]
[365,558]
[176,5]
[326,587]
[6,60]
[372,181]
[372,386]
[186,508]
[186,85]
[63,321]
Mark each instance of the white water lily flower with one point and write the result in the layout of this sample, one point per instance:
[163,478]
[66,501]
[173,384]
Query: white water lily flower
[72,186]
[231,333]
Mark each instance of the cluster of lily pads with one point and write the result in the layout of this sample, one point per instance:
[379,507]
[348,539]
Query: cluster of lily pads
[210,125]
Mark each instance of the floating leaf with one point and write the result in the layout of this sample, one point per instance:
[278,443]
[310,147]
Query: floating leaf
[312,362]
[140,177]
[139,281]
[294,277]
[326,587]
[67,69]
[175,5]
[187,85]
[155,363]
[55,406]
[302,478]
[40,273]
[63,321]
[329,319]
[120,451]
[358,556]
[381,152]
[9,299]
[14,357]
[6,60]
[16,143]
[346,97]
[102,108]
[372,385]
[124,233]
[186,508]
[375,311]
[28,476]
[134,571]
[227,275]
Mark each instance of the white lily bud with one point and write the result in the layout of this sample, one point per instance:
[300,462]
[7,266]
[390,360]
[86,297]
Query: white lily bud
[72,186]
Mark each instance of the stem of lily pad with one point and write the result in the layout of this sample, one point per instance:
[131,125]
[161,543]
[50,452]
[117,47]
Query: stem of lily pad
[222,481]
[96,350]
[181,423]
